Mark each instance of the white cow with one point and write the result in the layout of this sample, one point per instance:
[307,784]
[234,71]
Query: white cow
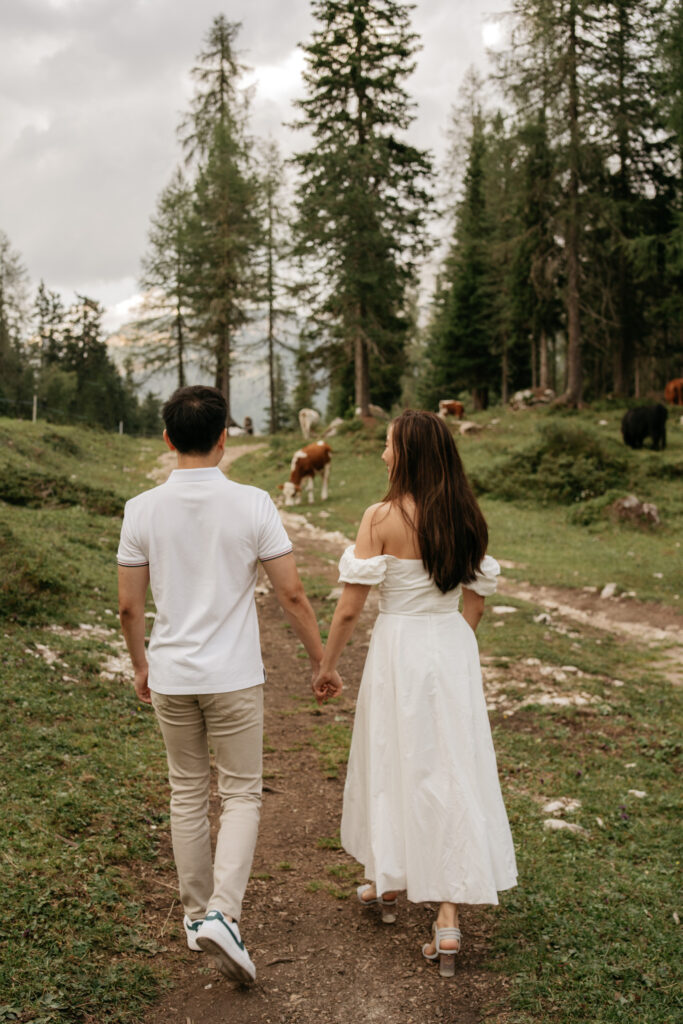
[308,418]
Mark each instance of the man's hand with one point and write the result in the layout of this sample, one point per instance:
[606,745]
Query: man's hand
[326,685]
[140,683]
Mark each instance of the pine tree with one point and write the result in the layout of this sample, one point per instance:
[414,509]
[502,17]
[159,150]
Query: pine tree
[274,288]
[16,383]
[168,325]
[362,195]
[48,320]
[627,126]
[224,227]
[460,352]
[552,54]
[100,393]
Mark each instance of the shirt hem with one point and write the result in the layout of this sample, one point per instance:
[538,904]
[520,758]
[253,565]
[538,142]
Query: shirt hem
[269,558]
[185,689]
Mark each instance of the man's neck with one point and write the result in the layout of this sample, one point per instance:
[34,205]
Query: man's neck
[208,461]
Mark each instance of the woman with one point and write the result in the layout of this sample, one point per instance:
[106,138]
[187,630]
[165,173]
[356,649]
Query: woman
[423,811]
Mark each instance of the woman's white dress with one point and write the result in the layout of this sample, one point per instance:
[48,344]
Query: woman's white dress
[423,810]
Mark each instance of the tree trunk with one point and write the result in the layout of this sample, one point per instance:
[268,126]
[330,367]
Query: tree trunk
[534,381]
[480,398]
[223,369]
[543,381]
[362,373]
[574,392]
[270,288]
[504,374]
[180,348]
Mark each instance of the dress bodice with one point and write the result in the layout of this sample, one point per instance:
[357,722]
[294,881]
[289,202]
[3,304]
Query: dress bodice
[405,587]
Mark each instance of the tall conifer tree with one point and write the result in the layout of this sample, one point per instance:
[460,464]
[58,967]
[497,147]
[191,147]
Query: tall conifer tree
[168,324]
[225,228]
[362,196]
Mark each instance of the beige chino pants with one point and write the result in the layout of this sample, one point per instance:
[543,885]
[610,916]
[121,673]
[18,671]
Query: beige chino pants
[232,723]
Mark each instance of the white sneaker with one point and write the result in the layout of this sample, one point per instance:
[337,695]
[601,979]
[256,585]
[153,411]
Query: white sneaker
[222,940]
[191,929]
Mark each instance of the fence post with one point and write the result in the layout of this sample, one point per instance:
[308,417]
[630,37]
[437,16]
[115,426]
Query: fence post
[34,414]
[120,426]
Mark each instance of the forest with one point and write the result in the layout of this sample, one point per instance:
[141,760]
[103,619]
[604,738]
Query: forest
[556,226]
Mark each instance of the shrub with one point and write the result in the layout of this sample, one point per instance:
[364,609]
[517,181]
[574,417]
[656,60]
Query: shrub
[26,487]
[33,584]
[565,465]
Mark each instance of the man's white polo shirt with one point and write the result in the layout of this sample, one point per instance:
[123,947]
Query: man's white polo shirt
[202,536]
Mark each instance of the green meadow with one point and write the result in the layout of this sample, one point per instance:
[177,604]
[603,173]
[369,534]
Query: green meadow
[590,934]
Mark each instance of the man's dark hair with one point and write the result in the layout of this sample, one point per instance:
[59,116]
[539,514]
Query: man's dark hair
[195,418]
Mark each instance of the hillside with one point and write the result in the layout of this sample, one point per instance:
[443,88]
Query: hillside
[580,694]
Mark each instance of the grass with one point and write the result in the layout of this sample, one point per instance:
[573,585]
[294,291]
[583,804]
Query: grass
[83,800]
[589,934]
[542,535]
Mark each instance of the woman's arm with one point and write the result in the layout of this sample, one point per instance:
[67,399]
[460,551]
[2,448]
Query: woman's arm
[350,605]
[472,607]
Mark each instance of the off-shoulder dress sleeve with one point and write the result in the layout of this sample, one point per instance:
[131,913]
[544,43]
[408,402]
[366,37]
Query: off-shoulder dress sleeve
[367,571]
[486,580]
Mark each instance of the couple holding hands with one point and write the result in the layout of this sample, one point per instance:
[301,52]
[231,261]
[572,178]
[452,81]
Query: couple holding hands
[423,811]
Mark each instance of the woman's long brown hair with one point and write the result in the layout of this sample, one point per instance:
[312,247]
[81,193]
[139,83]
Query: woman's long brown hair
[451,530]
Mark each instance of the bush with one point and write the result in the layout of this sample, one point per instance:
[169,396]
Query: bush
[565,465]
[32,585]
[25,487]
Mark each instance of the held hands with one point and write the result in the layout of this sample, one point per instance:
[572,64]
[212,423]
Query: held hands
[326,684]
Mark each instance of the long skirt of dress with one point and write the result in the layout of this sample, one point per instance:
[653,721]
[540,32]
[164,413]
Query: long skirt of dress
[423,810]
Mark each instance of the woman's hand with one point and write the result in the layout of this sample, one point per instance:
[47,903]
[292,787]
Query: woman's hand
[326,685]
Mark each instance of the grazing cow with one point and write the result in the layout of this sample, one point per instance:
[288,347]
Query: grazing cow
[645,421]
[308,418]
[673,392]
[314,458]
[449,407]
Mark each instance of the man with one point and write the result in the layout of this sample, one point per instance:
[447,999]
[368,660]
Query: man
[198,539]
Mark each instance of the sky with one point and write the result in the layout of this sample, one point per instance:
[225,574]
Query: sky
[91,93]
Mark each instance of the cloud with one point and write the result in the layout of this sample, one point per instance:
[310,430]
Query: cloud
[91,92]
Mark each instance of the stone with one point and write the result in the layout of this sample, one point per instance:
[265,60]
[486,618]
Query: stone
[557,824]
[632,509]
[609,590]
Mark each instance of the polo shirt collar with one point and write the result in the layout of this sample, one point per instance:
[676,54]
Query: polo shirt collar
[203,473]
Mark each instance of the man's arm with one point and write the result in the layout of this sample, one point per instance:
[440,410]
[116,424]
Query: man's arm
[133,583]
[283,575]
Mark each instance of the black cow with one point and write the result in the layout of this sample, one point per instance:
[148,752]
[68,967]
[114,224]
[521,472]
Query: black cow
[645,421]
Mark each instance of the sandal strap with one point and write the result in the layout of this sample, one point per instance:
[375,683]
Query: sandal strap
[446,933]
[359,893]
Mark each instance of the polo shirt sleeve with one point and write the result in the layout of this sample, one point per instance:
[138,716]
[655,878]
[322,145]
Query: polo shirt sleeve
[130,551]
[273,541]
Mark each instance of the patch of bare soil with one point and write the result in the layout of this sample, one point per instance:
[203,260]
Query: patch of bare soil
[658,626]
[318,958]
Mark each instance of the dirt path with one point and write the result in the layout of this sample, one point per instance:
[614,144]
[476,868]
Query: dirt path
[167,462]
[319,958]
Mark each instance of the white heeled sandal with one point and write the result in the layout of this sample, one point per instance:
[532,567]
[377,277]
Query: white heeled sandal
[446,957]
[388,907]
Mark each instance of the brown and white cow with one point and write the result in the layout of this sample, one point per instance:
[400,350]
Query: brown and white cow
[673,392]
[308,418]
[306,462]
[450,407]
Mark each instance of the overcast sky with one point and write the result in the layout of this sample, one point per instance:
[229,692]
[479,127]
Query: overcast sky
[91,92]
